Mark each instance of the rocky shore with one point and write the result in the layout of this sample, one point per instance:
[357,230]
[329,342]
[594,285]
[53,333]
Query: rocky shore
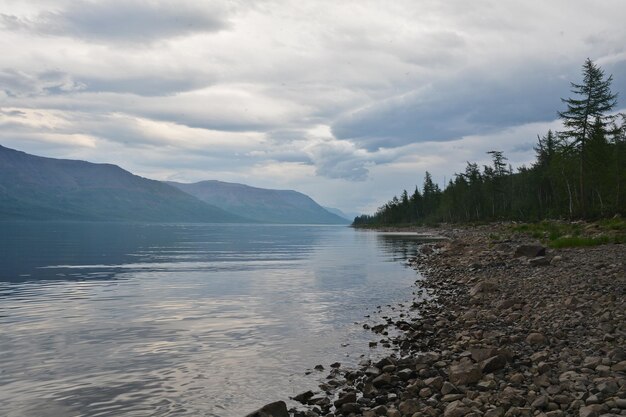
[511,329]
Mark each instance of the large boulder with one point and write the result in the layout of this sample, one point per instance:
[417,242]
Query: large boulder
[464,373]
[276,409]
[530,251]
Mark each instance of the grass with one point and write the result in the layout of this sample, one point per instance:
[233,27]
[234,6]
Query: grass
[560,234]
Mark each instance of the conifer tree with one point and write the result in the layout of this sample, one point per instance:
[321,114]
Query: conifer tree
[593,102]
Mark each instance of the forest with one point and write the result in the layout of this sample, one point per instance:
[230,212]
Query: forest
[578,173]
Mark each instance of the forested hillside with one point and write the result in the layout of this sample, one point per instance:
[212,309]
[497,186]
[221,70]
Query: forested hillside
[579,172]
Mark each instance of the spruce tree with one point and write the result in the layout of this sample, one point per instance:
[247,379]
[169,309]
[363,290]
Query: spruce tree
[595,100]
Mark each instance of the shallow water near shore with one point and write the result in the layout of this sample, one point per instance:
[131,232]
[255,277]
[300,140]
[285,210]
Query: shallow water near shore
[191,320]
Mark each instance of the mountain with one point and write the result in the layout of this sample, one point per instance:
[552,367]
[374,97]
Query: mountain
[34,187]
[262,205]
[348,216]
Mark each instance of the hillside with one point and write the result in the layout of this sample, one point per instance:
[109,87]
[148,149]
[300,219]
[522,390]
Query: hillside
[261,205]
[38,188]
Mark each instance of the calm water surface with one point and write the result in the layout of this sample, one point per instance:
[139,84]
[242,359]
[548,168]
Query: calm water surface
[190,320]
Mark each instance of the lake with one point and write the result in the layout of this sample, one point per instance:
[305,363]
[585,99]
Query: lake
[109,319]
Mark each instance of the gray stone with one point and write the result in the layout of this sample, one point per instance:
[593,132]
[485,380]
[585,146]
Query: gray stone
[536,339]
[452,397]
[590,411]
[349,408]
[382,380]
[540,402]
[393,412]
[481,354]
[380,410]
[608,387]
[455,409]
[275,409]
[530,251]
[494,412]
[591,362]
[349,397]
[464,373]
[539,261]
[448,388]
[435,382]
[304,397]
[482,287]
[619,367]
[409,407]
[493,364]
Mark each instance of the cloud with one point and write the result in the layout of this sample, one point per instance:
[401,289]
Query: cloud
[449,110]
[16,83]
[349,101]
[124,21]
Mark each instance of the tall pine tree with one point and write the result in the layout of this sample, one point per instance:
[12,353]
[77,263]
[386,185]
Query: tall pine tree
[594,101]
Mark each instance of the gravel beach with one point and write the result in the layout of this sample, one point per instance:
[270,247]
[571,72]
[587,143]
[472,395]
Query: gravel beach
[510,329]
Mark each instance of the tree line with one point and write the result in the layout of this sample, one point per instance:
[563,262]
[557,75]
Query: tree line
[579,173]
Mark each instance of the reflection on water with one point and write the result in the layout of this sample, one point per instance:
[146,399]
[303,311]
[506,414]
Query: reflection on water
[112,319]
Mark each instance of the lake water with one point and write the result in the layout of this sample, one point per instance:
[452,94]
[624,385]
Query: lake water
[190,320]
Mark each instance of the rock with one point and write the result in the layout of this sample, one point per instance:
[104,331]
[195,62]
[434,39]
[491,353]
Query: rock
[425,392]
[380,410]
[455,409]
[619,367]
[275,409]
[539,261]
[405,374]
[510,395]
[382,380]
[452,397]
[349,397]
[481,354]
[540,356]
[530,251]
[494,412]
[542,368]
[591,362]
[335,365]
[409,407]
[448,388]
[493,364]
[590,411]
[536,339]
[556,259]
[540,402]
[319,368]
[435,382]
[349,408]
[621,403]
[392,412]
[372,371]
[304,397]
[482,287]
[486,385]
[464,373]
[608,387]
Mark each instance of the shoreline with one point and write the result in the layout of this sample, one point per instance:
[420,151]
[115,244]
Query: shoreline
[506,333]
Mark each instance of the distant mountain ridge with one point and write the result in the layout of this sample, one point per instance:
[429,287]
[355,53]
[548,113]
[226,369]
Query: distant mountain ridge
[348,216]
[260,204]
[39,188]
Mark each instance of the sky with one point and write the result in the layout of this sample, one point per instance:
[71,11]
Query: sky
[347,101]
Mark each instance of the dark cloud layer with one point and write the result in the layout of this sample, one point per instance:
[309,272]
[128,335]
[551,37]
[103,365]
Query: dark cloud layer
[475,104]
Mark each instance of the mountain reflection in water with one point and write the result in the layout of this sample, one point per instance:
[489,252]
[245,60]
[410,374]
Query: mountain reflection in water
[135,319]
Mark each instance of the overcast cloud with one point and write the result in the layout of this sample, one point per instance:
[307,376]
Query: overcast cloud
[349,102]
